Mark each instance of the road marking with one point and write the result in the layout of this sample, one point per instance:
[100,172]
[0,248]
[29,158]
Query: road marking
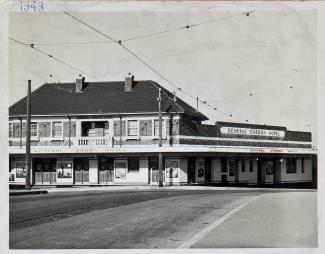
[199,236]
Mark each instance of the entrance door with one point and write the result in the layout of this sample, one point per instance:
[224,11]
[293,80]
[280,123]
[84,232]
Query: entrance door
[208,170]
[45,171]
[81,171]
[224,171]
[106,170]
[191,170]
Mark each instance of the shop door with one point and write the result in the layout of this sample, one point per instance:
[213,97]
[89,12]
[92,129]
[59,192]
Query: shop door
[154,170]
[81,171]
[106,170]
[224,171]
[191,170]
[208,170]
[45,171]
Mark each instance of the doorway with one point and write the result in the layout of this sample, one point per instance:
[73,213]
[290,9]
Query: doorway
[106,170]
[81,171]
[224,171]
[45,171]
[191,170]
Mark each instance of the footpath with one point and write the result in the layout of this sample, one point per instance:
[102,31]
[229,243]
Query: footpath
[47,190]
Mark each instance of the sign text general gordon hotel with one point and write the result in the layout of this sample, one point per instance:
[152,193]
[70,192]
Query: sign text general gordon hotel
[252,132]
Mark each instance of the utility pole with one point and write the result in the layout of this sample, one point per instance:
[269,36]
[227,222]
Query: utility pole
[28,157]
[160,157]
[197,103]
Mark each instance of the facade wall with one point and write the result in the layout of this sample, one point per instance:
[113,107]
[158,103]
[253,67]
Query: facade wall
[175,171]
[299,176]
[115,134]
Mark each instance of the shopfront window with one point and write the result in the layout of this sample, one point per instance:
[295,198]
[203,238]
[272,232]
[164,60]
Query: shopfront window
[291,166]
[251,166]
[134,164]
[64,170]
[232,166]
[224,166]
[243,166]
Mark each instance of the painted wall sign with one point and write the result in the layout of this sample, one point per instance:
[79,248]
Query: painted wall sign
[252,132]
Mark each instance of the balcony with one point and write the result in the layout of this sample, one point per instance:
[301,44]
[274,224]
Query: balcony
[94,141]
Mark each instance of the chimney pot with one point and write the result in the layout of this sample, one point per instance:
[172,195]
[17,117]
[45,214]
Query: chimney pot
[129,83]
[80,84]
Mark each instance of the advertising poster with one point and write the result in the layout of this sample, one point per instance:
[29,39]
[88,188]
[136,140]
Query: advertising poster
[64,170]
[200,169]
[120,170]
[20,170]
[11,177]
[171,169]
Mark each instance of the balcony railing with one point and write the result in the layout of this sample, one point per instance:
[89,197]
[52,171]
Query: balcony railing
[94,141]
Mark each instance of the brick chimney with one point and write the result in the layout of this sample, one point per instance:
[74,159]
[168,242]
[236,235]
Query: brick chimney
[129,83]
[80,84]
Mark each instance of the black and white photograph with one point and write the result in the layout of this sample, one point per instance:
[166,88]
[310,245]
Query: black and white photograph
[163,125]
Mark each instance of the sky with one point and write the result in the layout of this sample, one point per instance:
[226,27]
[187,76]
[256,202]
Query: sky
[259,68]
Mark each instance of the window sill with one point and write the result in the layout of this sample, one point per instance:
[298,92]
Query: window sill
[132,138]
[57,139]
[157,138]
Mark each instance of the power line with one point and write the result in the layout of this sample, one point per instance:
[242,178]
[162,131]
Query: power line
[140,36]
[93,28]
[119,42]
[53,57]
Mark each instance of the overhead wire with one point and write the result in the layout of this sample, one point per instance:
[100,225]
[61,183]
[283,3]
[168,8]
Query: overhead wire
[139,36]
[53,57]
[119,42]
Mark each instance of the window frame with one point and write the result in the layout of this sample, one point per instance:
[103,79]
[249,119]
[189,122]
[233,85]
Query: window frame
[11,130]
[303,166]
[56,137]
[251,166]
[231,170]
[137,128]
[289,166]
[163,123]
[243,166]
[129,162]
[115,167]
[35,137]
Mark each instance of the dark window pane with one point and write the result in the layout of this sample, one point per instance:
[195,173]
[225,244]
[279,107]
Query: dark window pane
[133,164]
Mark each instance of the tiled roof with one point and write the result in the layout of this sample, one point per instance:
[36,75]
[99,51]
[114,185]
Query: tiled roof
[101,98]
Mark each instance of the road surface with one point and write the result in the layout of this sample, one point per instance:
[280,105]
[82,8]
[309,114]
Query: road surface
[121,219]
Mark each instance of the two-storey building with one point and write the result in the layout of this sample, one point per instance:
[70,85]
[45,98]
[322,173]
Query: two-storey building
[99,133]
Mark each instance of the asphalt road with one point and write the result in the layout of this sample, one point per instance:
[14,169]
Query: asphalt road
[120,219]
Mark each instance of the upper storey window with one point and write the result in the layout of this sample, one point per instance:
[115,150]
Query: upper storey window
[57,130]
[133,128]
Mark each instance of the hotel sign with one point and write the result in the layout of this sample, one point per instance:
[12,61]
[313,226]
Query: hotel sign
[252,132]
